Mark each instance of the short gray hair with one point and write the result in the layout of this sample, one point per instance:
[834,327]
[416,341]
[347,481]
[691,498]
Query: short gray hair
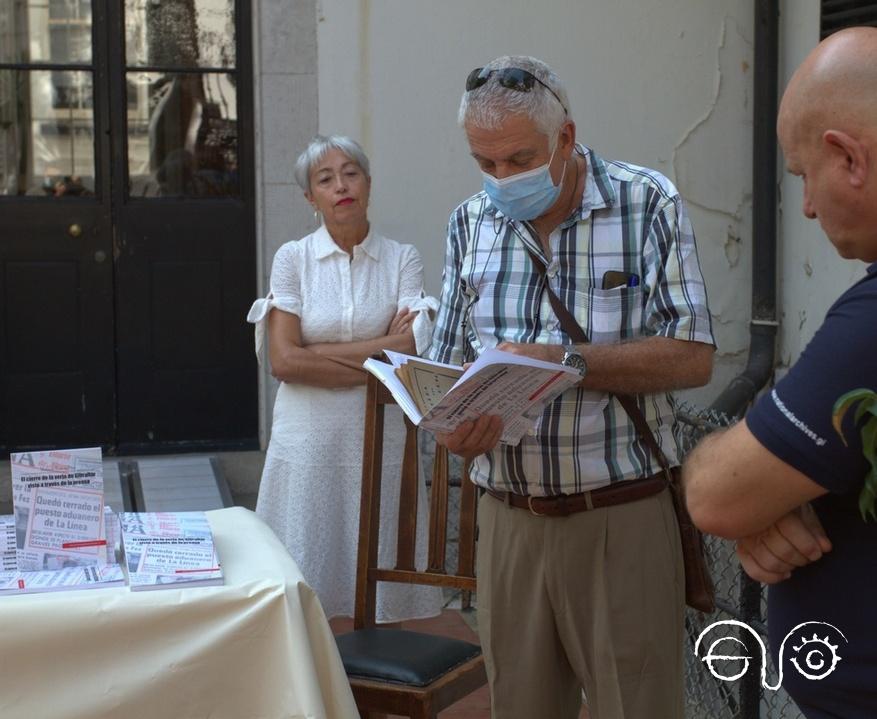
[318,148]
[487,106]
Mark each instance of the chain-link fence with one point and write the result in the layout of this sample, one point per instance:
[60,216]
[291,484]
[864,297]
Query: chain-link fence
[737,598]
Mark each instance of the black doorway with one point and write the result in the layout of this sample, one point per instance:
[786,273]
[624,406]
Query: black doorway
[127,225]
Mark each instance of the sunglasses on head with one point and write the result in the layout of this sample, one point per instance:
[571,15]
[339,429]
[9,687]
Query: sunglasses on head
[511,78]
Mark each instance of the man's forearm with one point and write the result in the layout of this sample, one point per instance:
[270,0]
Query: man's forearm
[654,364]
[736,488]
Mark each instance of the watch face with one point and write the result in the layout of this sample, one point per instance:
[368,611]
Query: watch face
[575,361]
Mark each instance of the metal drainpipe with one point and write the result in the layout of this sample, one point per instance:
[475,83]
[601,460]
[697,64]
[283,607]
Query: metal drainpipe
[737,396]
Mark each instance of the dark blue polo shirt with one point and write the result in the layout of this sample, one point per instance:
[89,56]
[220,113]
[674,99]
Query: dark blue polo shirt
[793,421]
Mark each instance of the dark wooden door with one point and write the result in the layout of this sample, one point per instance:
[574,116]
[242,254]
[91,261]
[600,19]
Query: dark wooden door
[126,225]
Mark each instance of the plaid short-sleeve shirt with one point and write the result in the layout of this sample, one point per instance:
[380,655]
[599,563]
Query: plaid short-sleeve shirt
[631,220]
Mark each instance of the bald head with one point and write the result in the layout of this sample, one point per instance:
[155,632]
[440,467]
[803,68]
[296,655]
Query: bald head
[835,87]
[828,130]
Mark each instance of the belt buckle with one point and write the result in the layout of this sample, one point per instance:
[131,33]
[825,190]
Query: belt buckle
[530,499]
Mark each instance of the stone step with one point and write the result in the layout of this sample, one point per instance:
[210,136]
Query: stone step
[178,484]
[165,484]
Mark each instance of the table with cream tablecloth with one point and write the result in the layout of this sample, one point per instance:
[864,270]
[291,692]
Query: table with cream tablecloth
[259,646]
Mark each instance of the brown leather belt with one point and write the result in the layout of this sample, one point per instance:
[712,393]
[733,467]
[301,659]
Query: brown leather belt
[563,505]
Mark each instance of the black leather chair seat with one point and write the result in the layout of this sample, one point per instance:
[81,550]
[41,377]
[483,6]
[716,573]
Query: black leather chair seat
[402,657]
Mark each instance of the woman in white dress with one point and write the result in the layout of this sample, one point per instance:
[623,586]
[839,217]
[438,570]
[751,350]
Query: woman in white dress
[343,292]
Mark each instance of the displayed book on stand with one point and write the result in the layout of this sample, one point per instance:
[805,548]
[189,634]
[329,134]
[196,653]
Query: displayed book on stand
[166,550]
[439,397]
[58,500]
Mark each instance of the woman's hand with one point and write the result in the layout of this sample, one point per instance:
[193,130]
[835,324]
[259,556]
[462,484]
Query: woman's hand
[402,322]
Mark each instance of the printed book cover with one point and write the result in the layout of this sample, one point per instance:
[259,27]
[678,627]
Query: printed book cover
[61,580]
[164,550]
[58,500]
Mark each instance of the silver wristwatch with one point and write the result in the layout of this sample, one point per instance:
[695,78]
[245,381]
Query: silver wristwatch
[573,358]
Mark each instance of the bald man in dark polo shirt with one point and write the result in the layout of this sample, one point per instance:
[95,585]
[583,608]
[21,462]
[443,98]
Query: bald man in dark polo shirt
[783,483]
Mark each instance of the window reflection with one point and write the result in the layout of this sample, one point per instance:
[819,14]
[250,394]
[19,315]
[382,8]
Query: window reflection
[40,31]
[182,135]
[46,133]
[180,33]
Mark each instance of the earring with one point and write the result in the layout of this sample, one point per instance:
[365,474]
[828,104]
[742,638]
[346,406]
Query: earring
[316,215]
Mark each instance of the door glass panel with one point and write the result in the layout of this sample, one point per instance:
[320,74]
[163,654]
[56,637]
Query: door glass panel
[46,133]
[182,135]
[180,33]
[56,31]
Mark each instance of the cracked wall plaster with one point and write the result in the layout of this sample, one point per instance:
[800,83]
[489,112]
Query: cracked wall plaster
[732,248]
[712,167]
[722,134]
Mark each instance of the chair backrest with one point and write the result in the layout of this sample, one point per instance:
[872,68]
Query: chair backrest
[368,574]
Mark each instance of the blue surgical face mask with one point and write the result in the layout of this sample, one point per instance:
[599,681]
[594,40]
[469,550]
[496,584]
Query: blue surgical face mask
[524,196]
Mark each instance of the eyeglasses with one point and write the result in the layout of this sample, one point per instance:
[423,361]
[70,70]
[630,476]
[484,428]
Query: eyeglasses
[511,78]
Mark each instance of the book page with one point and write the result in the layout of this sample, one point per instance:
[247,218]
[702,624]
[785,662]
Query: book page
[397,359]
[428,383]
[386,373]
[439,397]
[512,387]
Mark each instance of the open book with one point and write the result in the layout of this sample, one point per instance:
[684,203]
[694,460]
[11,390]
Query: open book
[439,397]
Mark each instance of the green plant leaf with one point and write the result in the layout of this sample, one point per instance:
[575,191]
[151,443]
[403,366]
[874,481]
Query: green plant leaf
[865,408]
[867,404]
[843,404]
[868,495]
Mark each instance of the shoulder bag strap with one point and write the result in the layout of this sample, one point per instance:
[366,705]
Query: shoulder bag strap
[578,335]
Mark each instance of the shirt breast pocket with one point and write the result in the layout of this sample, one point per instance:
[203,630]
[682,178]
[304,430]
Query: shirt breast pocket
[614,315]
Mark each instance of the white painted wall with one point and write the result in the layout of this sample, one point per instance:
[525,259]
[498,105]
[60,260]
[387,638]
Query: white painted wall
[811,273]
[662,83]
[665,84]
[285,98]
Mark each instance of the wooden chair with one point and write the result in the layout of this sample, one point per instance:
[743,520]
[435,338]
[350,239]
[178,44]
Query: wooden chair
[393,670]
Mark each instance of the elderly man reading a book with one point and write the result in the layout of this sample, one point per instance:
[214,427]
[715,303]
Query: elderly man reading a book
[571,258]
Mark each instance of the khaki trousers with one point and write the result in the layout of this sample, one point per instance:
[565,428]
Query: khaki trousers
[594,600]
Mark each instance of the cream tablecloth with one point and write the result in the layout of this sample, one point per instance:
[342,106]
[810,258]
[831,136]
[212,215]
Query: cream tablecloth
[259,646]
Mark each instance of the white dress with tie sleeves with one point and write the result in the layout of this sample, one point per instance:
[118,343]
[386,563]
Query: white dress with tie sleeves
[310,487]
